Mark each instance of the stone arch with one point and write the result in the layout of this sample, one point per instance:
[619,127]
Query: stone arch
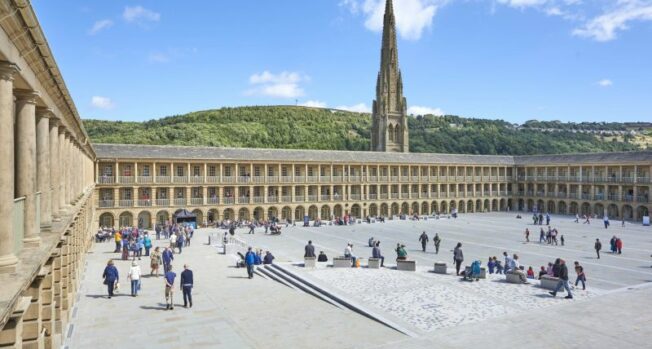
[612,211]
[503,205]
[286,213]
[461,206]
[425,209]
[415,208]
[541,205]
[521,205]
[162,217]
[563,208]
[126,219]
[107,220]
[337,211]
[530,205]
[405,208]
[395,209]
[200,216]
[390,131]
[299,213]
[356,212]
[243,214]
[488,205]
[397,133]
[585,209]
[213,215]
[478,205]
[259,213]
[470,206]
[326,212]
[384,209]
[628,212]
[573,208]
[642,211]
[313,213]
[272,213]
[434,207]
[144,220]
[229,214]
[452,205]
[444,207]
[598,209]
[550,207]
[373,210]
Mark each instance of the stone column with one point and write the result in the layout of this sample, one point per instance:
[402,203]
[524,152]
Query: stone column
[67,160]
[26,162]
[63,173]
[54,169]
[8,260]
[43,165]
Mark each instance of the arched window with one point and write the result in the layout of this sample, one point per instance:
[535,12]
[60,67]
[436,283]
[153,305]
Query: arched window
[397,132]
[391,132]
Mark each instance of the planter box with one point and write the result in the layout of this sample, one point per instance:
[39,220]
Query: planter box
[373,263]
[341,262]
[440,268]
[309,262]
[406,265]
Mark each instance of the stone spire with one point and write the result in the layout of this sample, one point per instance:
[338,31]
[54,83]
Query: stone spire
[389,118]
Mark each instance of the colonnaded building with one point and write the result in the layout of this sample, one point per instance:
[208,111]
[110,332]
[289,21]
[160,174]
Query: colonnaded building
[56,187]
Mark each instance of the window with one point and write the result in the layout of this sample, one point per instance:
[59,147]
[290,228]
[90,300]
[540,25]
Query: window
[270,171]
[310,171]
[126,194]
[297,171]
[163,170]
[180,171]
[108,170]
[146,170]
[126,171]
[242,172]
[211,171]
[284,171]
[195,171]
[257,171]
[227,171]
[322,172]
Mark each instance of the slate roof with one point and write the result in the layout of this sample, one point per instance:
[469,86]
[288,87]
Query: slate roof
[165,152]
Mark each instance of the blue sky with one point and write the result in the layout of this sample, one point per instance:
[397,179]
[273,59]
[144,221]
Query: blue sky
[571,60]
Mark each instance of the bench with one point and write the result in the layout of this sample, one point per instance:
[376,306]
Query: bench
[406,265]
[512,278]
[373,263]
[440,268]
[549,282]
[341,262]
[483,272]
[309,262]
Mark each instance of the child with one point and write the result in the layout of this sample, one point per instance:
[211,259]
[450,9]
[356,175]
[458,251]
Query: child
[491,265]
[530,273]
[499,267]
[562,240]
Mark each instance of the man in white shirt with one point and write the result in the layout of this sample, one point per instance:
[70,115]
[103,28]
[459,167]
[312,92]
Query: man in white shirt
[173,241]
[348,252]
[134,276]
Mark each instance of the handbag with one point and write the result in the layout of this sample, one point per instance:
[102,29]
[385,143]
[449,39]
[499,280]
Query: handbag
[105,282]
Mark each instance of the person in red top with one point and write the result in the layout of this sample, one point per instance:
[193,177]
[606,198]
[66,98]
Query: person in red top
[530,273]
[619,245]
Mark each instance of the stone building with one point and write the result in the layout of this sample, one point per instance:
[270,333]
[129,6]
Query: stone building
[56,187]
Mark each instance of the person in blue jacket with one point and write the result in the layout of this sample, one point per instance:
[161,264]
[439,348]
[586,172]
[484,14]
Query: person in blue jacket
[168,257]
[110,276]
[250,259]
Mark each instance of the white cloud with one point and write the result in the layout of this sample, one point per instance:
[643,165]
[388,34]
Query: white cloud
[282,85]
[158,57]
[412,16]
[605,83]
[314,104]
[139,14]
[100,102]
[100,25]
[523,3]
[418,110]
[606,26]
[358,108]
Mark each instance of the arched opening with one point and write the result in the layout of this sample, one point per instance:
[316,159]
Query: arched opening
[503,205]
[478,205]
[373,210]
[598,209]
[405,208]
[355,211]
[540,206]
[521,205]
[299,212]
[107,220]
[200,216]
[415,208]
[612,211]
[144,220]
[434,207]
[337,211]
[213,216]
[585,209]
[229,214]
[424,208]
[551,206]
[272,213]
[444,207]
[641,212]
[394,209]
[243,214]
[286,213]
[390,131]
[384,209]
[530,205]
[313,213]
[574,209]
[470,207]
[397,134]
[628,212]
[563,208]
[162,217]
[326,212]
[461,207]
[126,219]
[259,213]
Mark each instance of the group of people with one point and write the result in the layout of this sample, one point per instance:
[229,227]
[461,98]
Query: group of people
[549,237]
[253,258]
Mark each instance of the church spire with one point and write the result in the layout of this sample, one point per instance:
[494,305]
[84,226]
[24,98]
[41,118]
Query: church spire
[389,118]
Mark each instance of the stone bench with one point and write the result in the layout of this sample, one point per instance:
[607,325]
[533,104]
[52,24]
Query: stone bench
[406,265]
[441,268]
[341,262]
[549,282]
[512,278]
[373,263]
[483,272]
[309,262]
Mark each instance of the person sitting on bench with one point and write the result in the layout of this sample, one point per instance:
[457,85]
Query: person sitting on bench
[322,257]
[348,253]
[375,253]
[372,242]
[401,253]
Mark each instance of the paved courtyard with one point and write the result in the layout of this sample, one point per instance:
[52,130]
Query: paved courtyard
[233,312]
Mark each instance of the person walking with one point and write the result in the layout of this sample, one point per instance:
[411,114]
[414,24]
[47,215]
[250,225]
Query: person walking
[581,277]
[437,241]
[252,227]
[458,257]
[424,240]
[527,234]
[111,277]
[563,281]
[168,257]
[147,242]
[117,237]
[180,241]
[134,277]
[542,236]
[612,244]
[186,284]
[619,245]
[169,288]
[155,261]
[309,250]
[597,246]
[250,259]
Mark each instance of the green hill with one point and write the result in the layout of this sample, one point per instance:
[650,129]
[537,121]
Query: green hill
[312,128]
